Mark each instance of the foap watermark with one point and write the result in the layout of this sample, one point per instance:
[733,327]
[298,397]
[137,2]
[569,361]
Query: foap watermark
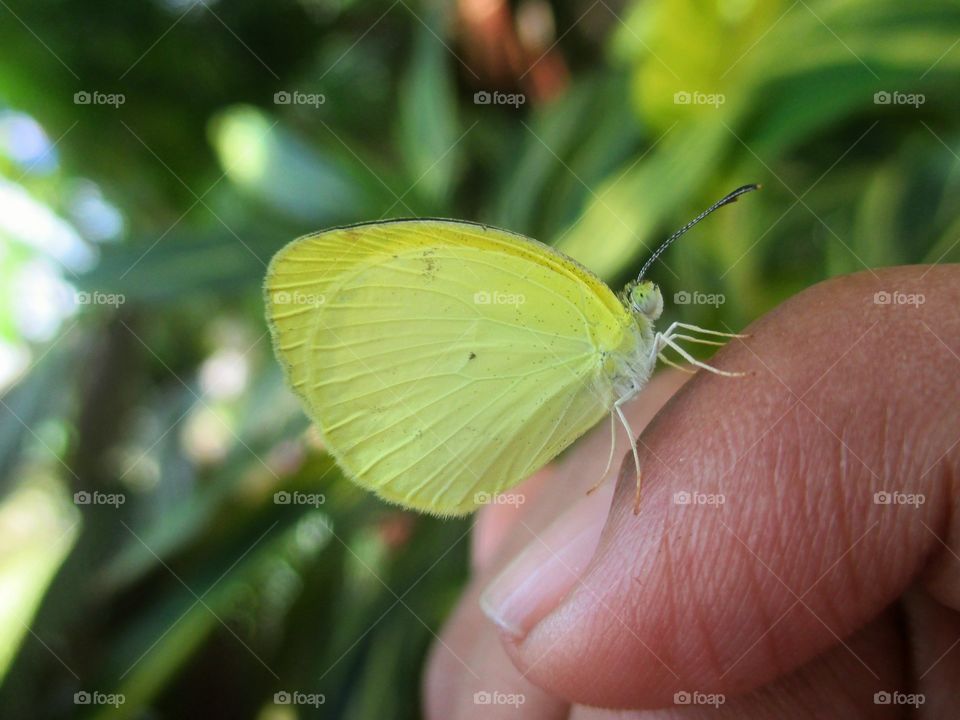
[99,298]
[285,497]
[895,497]
[684,97]
[685,297]
[95,697]
[295,697]
[284,297]
[86,497]
[884,697]
[897,297]
[485,498]
[685,497]
[295,97]
[685,697]
[485,297]
[495,97]
[895,97]
[95,97]
[486,697]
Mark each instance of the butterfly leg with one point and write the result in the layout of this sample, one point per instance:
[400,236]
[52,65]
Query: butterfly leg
[633,446]
[667,361]
[691,338]
[696,328]
[613,446]
[668,341]
[656,352]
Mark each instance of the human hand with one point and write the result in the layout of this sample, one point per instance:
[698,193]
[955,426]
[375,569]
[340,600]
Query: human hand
[813,561]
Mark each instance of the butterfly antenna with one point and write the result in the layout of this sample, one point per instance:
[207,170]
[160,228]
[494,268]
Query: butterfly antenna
[726,200]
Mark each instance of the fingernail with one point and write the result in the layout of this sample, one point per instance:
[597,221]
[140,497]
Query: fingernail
[540,577]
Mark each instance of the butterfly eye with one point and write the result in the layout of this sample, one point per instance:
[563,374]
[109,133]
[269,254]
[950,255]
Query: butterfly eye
[647,300]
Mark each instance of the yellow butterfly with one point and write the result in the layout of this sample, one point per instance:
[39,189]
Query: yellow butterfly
[444,362]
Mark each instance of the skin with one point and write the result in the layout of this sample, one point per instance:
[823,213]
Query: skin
[800,595]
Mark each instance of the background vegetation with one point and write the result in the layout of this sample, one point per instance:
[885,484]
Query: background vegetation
[134,360]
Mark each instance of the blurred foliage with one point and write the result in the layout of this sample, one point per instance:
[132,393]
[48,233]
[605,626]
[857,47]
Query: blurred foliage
[200,596]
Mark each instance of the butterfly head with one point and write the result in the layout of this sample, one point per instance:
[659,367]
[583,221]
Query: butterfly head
[643,298]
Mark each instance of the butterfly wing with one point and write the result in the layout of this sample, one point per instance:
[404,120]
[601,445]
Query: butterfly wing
[443,362]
